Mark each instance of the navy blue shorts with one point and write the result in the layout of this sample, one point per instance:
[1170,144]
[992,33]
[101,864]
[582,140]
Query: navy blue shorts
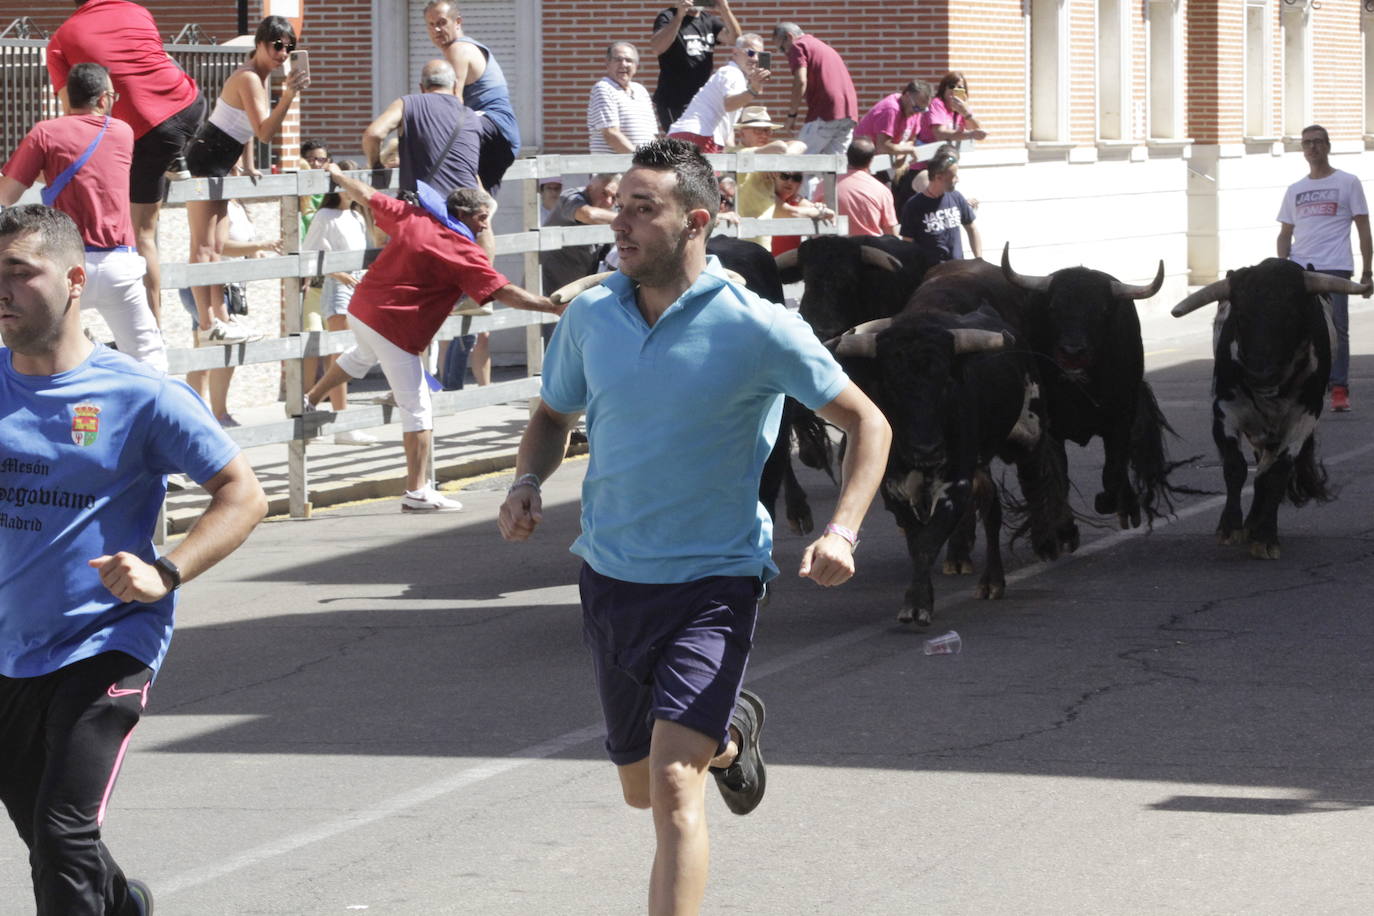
[674,651]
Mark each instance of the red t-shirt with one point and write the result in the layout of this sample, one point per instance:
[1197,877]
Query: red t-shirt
[122,37]
[829,90]
[412,286]
[97,196]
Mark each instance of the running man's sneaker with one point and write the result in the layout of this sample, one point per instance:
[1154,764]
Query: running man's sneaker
[468,306]
[354,437]
[1340,398]
[742,783]
[428,500]
[227,333]
[140,897]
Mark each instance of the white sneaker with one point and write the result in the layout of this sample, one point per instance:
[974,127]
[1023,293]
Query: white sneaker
[428,500]
[225,333]
[354,437]
[468,306]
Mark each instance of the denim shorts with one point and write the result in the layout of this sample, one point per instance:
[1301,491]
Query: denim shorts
[673,651]
[212,153]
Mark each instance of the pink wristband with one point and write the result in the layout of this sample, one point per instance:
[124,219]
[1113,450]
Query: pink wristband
[848,534]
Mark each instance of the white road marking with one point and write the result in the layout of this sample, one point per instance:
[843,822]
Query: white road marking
[493,767]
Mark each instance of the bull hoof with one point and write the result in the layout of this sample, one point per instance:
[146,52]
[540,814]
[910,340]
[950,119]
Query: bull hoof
[992,591]
[1232,538]
[801,525]
[958,568]
[906,615]
[1068,540]
[1264,551]
[923,617]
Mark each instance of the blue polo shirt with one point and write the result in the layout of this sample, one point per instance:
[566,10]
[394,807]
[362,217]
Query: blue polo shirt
[680,419]
[83,459]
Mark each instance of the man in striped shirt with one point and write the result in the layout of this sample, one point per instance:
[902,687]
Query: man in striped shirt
[620,113]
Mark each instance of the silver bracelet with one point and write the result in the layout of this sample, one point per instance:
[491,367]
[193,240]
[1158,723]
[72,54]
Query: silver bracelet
[525,480]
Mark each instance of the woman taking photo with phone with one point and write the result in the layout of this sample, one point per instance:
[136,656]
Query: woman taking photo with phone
[948,118]
[242,113]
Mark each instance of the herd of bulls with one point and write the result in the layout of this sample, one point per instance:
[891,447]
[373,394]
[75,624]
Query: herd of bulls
[970,361]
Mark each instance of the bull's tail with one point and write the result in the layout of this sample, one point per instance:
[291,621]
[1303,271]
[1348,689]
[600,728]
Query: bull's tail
[1043,512]
[1149,459]
[814,447]
[1308,480]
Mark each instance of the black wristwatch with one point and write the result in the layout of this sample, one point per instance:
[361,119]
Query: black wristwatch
[166,565]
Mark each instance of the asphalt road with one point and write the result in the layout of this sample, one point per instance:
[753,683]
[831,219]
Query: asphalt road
[375,712]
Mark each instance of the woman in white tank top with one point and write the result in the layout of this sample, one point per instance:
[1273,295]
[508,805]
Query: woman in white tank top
[242,112]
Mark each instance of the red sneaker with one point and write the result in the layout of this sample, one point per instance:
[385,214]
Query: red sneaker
[1340,399]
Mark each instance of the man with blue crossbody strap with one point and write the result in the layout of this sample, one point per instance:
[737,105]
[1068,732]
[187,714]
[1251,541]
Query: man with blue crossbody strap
[682,374]
[85,156]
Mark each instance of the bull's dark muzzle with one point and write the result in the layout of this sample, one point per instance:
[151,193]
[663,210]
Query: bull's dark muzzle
[1074,357]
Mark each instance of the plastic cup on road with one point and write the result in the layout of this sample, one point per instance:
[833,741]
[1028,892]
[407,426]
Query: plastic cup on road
[948,644]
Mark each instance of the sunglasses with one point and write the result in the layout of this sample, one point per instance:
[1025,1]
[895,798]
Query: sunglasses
[317,160]
[751,52]
[790,176]
[280,45]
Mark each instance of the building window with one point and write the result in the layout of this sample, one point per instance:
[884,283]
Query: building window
[1049,70]
[1165,89]
[1257,68]
[1113,70]
[1296,56]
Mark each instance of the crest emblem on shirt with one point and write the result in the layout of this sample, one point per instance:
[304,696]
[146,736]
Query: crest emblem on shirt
[85,424]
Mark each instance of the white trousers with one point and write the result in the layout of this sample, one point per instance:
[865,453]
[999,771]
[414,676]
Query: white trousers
[827,136]
[114,287]
[404,372]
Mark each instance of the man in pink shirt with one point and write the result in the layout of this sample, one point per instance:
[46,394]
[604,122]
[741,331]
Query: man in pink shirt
[154,96]
[820,78]
[894,122]
[864,199]
[96,196]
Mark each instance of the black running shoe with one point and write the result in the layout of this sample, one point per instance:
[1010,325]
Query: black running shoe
[742,783]
[140,897]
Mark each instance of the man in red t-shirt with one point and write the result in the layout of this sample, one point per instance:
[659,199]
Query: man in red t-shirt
[398,307]
[96,197]
[155,97]
[820,78]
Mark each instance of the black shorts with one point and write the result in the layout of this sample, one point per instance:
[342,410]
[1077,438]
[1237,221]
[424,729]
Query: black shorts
[156,149]
[212,153]
[494,158]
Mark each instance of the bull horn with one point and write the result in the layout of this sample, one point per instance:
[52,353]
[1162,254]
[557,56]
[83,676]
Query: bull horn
[876,257]
[734,278]
[1212,292]
[1033,284]
[864,346]
[876,326]
[566,294]
[787,260]
[974,340]
[1130,291]
[1325,283]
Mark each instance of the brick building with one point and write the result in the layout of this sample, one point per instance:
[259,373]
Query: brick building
[1120,131]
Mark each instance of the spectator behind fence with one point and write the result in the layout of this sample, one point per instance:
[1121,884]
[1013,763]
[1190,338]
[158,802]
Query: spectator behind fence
[156,98]
[241,242]
[242,113]
[684,39]
[314,155]
[95,194]
[620,116]
[932,218]
[821,80]
[483,88]
[754,194]
[549,192]
[593,205]
[400,305]
[709,120]
[339,225]
[789,203]
[949,118]
[865,200]
[893,124]
[88,603]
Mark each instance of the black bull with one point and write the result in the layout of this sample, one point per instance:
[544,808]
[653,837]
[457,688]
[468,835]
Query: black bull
[1083,325]
[955,399]
[1273,346]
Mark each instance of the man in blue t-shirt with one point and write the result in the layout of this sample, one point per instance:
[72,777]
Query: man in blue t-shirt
[87,437]
[682,376]
[932,218]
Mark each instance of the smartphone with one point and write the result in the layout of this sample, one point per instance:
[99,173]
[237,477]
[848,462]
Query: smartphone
[705,4]
[300,60]
[765,60]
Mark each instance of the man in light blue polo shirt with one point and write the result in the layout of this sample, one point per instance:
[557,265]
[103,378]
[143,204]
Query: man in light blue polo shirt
[682,375]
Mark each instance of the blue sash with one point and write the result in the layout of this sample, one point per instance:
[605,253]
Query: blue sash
[49,194]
